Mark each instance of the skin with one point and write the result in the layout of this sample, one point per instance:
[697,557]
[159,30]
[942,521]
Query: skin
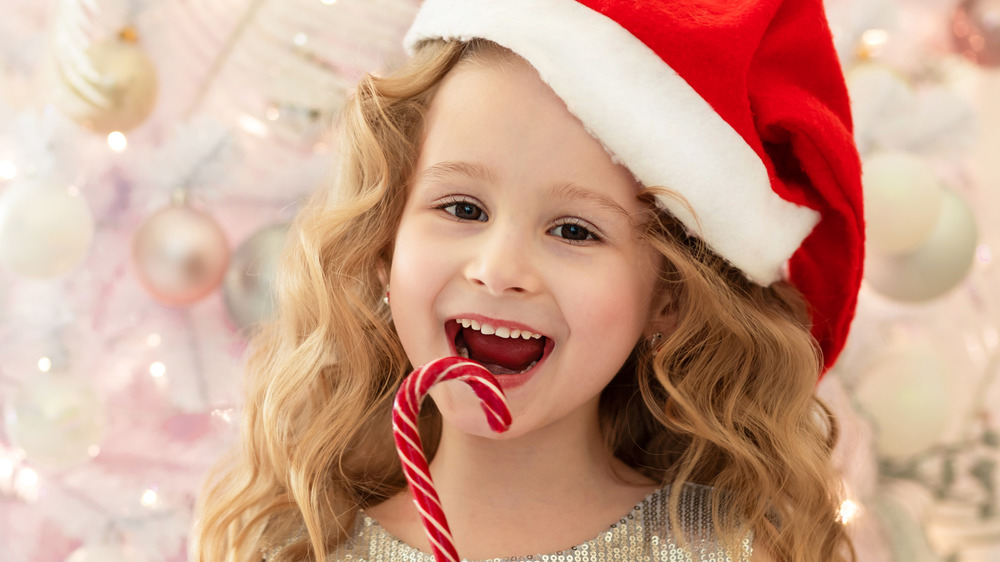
[517,214]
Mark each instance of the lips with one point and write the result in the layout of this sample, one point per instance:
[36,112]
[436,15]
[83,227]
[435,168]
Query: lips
[501,349]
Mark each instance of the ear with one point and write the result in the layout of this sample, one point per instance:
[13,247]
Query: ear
[663,314]
[382,270]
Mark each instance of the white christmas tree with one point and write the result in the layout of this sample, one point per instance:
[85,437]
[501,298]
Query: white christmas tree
[153,153]
[151,156]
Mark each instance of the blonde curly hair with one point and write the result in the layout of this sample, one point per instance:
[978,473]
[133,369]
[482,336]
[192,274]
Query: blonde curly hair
[727,400]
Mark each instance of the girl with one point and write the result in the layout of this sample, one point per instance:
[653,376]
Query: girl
[644,218]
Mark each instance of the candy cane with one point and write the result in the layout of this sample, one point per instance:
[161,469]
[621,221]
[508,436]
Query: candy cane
[411,452]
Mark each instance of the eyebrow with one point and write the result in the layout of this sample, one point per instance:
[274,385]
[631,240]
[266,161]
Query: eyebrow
[473,170]
[575,191]
[477,170]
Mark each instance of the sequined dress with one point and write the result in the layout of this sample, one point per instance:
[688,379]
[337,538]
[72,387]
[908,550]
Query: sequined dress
[644,534]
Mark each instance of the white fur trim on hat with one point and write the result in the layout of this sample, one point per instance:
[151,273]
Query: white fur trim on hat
[646,116]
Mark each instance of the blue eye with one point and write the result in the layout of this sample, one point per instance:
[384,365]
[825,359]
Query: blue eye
[464,210]
[573,232]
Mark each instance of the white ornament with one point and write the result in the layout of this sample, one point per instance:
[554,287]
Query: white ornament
[903,198]
[880,98]
[45,230]
[905,391]
[937,266]
[56,418]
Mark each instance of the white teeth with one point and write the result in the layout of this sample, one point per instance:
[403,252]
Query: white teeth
[528,368]
[463,352]
[502,331]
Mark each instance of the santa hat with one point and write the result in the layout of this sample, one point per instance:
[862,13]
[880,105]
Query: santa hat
[739,106]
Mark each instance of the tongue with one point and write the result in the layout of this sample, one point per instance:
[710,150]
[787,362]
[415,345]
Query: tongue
[514,354]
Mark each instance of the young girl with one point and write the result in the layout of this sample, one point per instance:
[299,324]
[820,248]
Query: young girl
[644,218]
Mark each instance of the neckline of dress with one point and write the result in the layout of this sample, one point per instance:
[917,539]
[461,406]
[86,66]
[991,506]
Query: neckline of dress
[410,550]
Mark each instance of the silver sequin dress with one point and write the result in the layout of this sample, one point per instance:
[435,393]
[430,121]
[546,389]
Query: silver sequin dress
[644,534]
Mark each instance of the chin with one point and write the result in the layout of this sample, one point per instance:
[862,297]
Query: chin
[460,409]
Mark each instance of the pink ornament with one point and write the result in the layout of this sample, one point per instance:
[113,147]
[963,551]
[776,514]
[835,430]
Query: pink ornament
[411,452]
[976,31]
[180,254]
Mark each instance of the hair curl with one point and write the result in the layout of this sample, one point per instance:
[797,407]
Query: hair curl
[727,399]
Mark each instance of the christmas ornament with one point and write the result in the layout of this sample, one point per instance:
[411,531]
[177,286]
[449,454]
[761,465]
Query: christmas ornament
[976,31]
[892,113]
[180,254]
[903,198]
[905,391]
[105,553]
[880,98]
[935,267]
[247,287]
[411,452]
[111,86]
[55,418]
[45,229]
[901,507]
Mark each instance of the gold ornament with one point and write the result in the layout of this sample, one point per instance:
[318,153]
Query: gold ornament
[111,86]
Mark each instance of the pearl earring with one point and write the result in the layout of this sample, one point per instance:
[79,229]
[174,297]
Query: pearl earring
[653,339]
[385,299]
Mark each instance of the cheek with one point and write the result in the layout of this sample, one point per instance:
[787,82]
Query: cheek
[418,274]
[619,301]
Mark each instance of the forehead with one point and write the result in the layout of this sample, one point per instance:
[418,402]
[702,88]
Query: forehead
[496,111]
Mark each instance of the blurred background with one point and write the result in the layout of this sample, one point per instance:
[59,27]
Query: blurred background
[152,154]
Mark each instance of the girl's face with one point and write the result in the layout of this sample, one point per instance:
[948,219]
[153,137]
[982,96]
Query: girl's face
[517,246]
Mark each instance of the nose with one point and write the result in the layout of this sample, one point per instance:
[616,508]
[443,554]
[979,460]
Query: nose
[503,262]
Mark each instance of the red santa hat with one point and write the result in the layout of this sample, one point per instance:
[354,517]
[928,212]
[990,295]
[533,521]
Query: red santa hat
[738,105]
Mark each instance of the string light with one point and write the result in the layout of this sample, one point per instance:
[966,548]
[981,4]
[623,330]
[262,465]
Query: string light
[157,369]
[26,484]
[252,125]
[93,451]
[848,511]
[875,37]
[300,39]
[149,498]
[329,2]
[225,415]
[272,113]
[45,364]
[73,191]
[117,141]
[154,340]
[872,42]
[7,169]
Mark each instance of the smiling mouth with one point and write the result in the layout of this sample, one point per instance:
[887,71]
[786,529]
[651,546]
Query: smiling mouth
[501,350]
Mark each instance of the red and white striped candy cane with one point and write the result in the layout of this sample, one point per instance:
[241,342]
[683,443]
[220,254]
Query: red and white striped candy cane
[411,452]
